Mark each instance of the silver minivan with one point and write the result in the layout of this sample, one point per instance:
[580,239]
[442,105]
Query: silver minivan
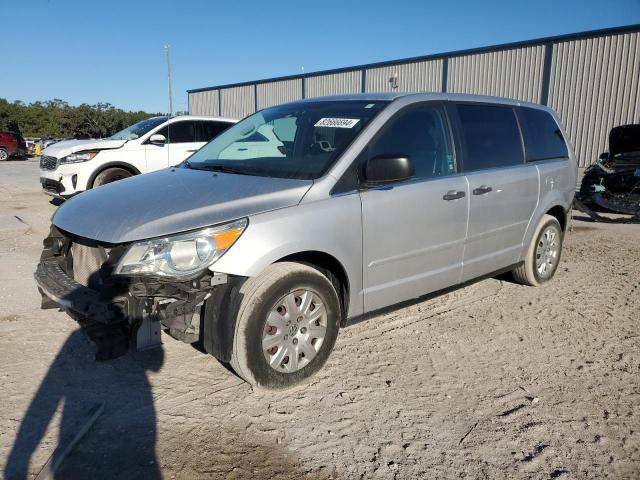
[306,216]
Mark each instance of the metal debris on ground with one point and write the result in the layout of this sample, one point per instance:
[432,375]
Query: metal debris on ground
[66,444]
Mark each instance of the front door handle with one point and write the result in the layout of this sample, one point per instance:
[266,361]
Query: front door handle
[482,190]
[192,150]
[453,195]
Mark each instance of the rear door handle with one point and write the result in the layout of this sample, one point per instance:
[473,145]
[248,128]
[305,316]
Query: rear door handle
[453,195]
[482,190]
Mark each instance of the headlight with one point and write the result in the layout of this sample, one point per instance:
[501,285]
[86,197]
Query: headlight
[180,255]
[78,157]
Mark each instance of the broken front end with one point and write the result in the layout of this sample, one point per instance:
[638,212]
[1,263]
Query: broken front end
[121,310]
[612,183]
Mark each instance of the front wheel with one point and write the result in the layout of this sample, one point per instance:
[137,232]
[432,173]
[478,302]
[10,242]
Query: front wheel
[286,327]
[4,155]
[111,175]
[543,254]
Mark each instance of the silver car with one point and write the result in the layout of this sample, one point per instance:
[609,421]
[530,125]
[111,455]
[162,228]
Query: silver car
[261,246]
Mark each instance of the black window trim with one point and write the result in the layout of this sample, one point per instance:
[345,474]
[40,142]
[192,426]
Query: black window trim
[461,138]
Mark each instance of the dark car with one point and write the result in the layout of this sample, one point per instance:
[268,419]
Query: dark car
[8,145]
[613,181]
[12,145]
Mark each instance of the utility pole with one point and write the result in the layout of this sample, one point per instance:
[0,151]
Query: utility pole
[167,49]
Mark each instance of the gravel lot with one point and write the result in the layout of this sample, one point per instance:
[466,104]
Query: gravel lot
[493,380]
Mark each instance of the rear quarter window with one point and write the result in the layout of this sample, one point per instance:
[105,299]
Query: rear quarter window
[543,139]
[490,135]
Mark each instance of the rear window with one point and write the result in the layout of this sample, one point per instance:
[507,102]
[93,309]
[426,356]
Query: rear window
[542,136]
[491,137]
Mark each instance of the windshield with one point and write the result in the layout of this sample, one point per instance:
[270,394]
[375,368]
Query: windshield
[299,140]
[138,129]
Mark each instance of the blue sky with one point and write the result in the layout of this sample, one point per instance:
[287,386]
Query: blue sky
[112,51]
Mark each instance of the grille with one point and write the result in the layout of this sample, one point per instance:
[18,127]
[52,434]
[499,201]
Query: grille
[86,263]
[48,163]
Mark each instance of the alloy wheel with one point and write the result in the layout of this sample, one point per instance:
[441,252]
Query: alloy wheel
[547,252]
[294,331]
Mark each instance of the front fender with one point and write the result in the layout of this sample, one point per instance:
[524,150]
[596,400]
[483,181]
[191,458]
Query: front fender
[331,226]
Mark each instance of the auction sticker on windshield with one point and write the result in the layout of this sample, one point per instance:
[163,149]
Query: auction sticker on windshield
[337,122]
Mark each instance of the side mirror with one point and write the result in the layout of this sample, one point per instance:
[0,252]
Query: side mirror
[387,169]
[157,139]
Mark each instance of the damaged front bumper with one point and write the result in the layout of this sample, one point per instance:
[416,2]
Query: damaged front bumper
[119,313]
[610,188]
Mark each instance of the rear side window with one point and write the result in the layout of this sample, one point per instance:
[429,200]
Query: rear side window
[542,136]
[491,137]
[207,131]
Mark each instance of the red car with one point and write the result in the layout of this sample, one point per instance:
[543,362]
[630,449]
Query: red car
[11,145]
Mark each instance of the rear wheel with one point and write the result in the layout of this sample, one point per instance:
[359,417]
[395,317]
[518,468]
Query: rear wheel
[111,175]
[286,327]
[3,154]
[543,254]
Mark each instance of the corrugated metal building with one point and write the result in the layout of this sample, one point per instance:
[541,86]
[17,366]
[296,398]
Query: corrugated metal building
[591,79]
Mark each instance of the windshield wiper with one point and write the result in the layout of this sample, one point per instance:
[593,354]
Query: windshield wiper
[218,168]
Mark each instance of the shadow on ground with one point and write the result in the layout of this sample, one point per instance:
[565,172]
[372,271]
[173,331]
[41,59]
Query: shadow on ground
[122,439]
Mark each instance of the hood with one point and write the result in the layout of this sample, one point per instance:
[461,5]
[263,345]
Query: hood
[624,139]
[67,147]
[172,201]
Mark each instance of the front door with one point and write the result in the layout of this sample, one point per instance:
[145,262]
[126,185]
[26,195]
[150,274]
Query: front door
[157,154]
[414,231]
[182,140]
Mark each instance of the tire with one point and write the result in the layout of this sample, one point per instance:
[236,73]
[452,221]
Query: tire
[4,155]
[111,175]
[265,315]
[529,272]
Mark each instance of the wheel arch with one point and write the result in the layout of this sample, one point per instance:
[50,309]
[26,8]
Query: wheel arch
[553,204]
[219,314]
[332,268]
[126,166]
[559,213]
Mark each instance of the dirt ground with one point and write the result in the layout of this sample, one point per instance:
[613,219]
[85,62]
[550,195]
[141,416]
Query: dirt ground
[494,380]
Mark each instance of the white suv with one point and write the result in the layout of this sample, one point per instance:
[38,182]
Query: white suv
[70,167]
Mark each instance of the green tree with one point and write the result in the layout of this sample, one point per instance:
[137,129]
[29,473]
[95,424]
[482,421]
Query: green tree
[56,118]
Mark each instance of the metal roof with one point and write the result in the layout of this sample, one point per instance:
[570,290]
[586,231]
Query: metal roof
[525,43]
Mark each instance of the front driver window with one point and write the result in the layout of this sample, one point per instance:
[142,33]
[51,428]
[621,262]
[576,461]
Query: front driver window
[422,134]
[182,132]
